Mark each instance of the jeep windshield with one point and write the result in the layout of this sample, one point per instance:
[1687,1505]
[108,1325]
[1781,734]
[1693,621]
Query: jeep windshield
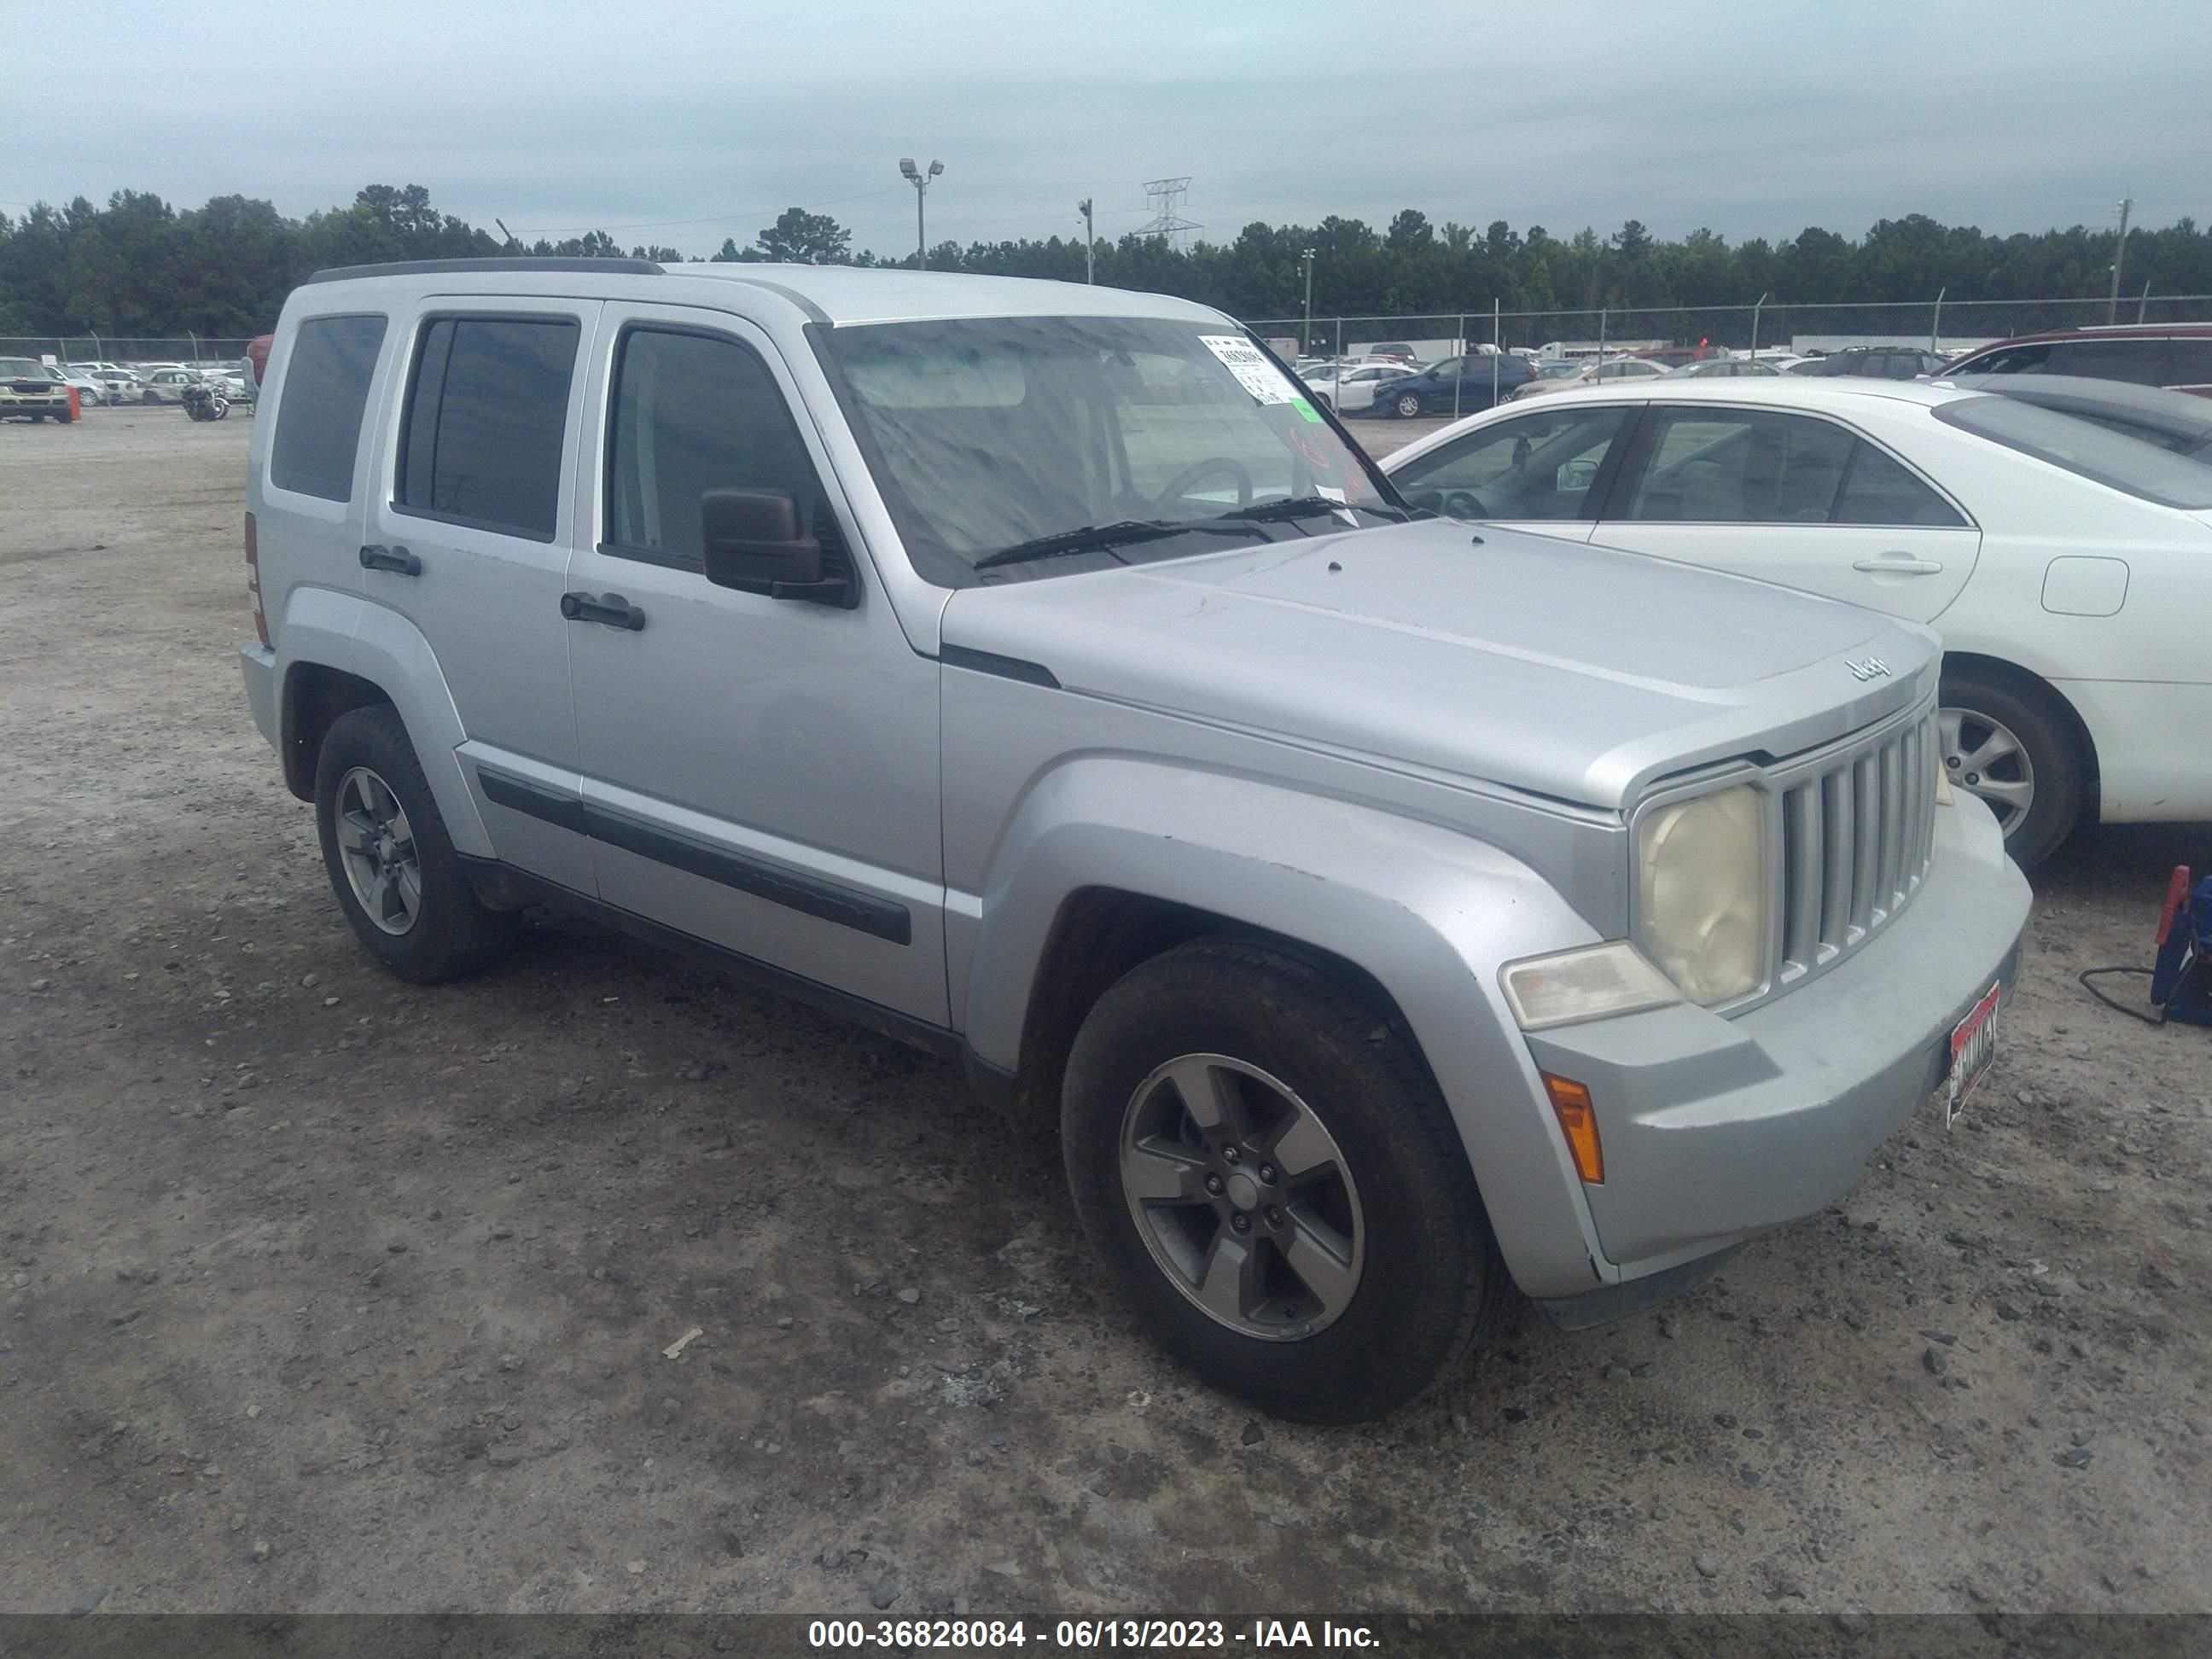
[1043,445]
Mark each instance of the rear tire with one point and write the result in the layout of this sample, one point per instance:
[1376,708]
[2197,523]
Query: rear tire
[2009,744]
[385,844]
[1377,1177]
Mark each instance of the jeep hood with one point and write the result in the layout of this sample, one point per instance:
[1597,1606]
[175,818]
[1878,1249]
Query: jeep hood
[1576,673]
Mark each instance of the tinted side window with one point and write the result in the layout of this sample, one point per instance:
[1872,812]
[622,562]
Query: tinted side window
[482,441]
[692,414]
[325,389]
[2137,360]
[2187,362]
[1739,467]
[1880,490]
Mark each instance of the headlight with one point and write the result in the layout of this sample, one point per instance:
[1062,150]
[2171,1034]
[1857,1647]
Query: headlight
[1703,883]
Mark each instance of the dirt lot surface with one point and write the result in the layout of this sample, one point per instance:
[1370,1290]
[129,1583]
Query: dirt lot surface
[322,1291]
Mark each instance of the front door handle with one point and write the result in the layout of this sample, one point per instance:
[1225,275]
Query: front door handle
[610,609]
[397,560]
[1898,564]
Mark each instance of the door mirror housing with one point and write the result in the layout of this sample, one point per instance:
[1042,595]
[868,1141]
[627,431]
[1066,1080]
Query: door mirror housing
[752,541]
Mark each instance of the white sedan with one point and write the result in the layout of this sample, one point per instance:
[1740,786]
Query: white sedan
[1347,387]
[2068,565]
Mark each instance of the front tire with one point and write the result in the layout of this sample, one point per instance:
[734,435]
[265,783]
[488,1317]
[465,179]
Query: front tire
[2014,749]
[389,861]
[1270,1175]
[1407,405]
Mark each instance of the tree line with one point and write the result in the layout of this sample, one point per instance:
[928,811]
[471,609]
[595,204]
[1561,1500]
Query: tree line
[140,266]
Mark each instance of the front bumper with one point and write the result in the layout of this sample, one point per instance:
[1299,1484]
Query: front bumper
[1714,1129]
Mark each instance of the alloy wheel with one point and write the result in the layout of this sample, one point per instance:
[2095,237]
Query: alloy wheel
[378,850]
[1984,756]
[1242,1197]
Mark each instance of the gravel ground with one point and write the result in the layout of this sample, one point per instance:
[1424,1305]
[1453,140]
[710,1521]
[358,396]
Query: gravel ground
[325,1292]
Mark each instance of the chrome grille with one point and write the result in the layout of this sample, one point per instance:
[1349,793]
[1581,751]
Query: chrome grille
[1857,827]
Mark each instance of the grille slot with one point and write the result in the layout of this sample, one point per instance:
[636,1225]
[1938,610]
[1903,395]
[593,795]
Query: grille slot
[1857,830]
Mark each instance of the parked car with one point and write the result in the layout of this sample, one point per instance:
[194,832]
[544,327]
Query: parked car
[33,390]
[2175,355]
[1722,368]
[1456,384]
[2172,420]
[1352,389]
[225,378]
[1610,371]
[122,386]
[1873,362]
[90,388]
[1382,923]
[167,385]
[2065,563]
[1398,351]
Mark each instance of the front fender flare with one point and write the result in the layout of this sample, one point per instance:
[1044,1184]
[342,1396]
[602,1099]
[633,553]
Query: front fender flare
[1429,912]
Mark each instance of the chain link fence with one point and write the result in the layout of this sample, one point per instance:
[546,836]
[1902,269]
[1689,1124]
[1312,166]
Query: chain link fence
[102,349]
[1945,328]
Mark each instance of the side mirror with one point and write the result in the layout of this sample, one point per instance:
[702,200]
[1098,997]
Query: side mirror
[751,542]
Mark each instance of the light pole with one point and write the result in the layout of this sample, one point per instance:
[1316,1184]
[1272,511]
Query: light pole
[1306,259]
[2119,253]
[920,180]
[1090,238]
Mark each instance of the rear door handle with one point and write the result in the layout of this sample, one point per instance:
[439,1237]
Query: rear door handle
[1898,564]
[397,560]
[610,609]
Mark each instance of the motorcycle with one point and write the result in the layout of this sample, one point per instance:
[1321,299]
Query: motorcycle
[204,403]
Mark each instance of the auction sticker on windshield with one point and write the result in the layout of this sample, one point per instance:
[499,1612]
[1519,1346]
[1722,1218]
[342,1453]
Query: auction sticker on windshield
[1973,1047]
[1251,367]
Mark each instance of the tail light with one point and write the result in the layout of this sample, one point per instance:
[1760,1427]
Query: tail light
[253,579]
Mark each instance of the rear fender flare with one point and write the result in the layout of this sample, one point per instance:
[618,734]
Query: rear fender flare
[342,630]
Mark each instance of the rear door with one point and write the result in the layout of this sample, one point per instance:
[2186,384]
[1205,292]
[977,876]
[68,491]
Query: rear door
[467,537]
[1792,498]
[1542,470]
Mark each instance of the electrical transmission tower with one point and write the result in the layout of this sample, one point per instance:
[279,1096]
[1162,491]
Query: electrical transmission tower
[1167,223]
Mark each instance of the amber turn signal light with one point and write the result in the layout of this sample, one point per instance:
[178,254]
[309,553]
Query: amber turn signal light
[1570,1103]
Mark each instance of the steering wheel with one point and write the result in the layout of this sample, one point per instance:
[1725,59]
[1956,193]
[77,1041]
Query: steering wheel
[1462,504]
[1179,486]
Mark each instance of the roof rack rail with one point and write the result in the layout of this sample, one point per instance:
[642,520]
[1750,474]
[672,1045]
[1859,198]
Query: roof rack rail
[467,267]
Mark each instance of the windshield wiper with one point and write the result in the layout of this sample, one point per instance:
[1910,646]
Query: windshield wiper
[1303,507]
[1093,537]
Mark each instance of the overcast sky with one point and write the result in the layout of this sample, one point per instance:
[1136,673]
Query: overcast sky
[630,115]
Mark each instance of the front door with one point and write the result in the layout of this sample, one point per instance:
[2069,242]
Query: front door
[759,772]
[1790,498]
[1541,471]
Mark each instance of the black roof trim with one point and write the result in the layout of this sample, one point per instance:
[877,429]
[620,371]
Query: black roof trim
[471,267]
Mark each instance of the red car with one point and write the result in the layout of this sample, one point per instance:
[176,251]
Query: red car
[2176,356]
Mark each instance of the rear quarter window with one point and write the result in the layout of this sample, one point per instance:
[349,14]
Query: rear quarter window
[2085,448]
[319,416]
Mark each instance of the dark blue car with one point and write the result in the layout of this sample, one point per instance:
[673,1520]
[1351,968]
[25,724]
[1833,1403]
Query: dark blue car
[1432,391]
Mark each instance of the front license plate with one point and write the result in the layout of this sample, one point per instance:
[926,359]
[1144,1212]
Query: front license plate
[1974,1046]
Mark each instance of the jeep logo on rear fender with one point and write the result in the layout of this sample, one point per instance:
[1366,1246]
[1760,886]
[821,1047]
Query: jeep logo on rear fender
[1867,668]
